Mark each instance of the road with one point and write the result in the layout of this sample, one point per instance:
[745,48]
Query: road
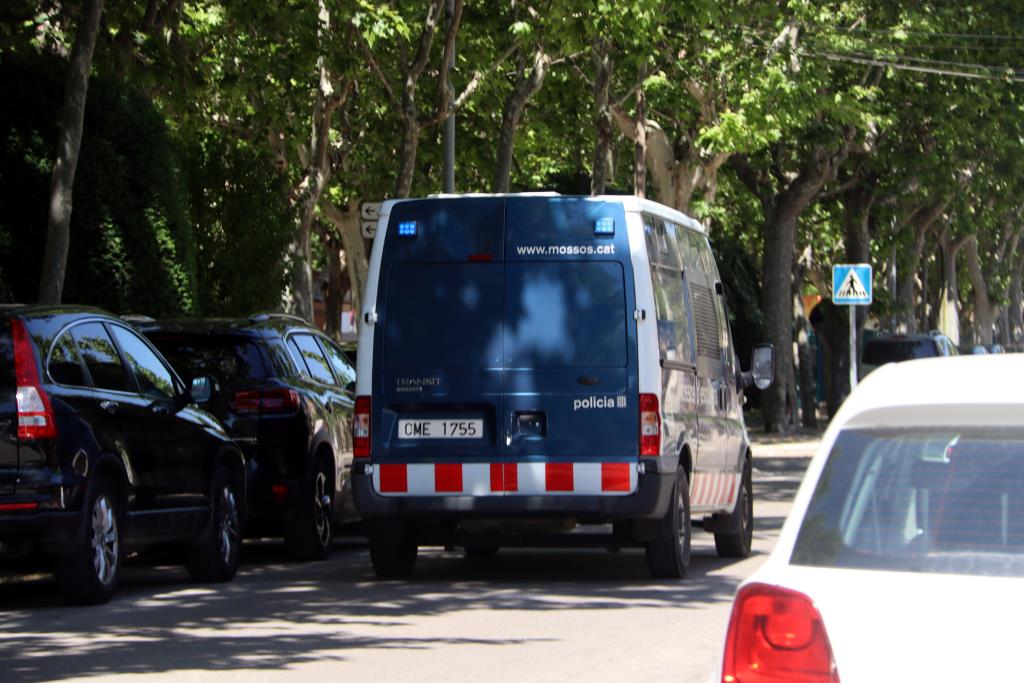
[539,615]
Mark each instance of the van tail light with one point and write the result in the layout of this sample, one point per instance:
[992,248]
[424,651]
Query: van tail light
[361,428]
[265,401]
[776,634]
[35,414]
[650,425]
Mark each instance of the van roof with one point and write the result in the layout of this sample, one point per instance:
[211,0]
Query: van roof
[629,203]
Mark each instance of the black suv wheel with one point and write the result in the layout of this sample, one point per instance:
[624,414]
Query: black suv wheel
[215,558]
[89,575]
[311,534]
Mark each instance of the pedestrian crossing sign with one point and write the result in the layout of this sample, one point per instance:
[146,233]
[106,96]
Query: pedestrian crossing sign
[851,284]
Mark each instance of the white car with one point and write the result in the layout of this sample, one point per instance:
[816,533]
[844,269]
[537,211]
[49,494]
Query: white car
[902,558]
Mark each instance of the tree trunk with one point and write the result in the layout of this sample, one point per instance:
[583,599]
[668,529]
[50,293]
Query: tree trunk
[346,221]
[782,209]
[1015,310]
[337,284]
[779,404]
[76,87]
[602,165]
[640,157]
[527,85]
[317,175]
[806,360]
[410,141]
[984,312]
[920,221]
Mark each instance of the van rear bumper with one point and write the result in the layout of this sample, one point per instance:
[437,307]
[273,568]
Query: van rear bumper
[650,500]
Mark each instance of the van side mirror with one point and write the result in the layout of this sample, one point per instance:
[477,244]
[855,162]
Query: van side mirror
[762,365]
[203,389]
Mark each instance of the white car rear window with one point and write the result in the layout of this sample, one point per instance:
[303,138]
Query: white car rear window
[942,500]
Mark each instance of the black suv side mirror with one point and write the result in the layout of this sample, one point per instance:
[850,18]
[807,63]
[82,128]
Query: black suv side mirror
[203,389]
[762,367]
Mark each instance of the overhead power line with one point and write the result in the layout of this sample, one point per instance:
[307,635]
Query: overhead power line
[872,61]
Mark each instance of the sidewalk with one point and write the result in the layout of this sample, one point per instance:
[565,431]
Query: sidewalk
[802,443]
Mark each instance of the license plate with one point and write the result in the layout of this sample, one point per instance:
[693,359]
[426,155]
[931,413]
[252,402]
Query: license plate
[440,429]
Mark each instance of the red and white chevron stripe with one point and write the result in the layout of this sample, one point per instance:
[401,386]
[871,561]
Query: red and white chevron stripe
[714,490]
[524,479]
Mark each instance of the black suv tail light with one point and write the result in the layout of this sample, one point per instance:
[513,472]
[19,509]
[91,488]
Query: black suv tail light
[35,414]
[265,401]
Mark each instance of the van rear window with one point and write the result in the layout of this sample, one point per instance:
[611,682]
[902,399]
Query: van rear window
[443,316]
[565,314]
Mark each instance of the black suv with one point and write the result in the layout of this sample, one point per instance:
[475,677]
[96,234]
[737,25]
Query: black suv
[103,448]
[285,394]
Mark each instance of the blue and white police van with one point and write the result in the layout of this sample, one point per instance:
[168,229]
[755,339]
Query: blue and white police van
[530,363]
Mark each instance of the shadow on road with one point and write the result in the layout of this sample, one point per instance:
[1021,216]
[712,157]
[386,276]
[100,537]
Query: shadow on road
[276,615]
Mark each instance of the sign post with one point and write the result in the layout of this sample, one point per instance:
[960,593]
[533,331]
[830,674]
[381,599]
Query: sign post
[851,286]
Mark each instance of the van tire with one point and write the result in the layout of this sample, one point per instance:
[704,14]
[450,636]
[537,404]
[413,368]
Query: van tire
[216,556]
[311,534]
[738,541]
[392,552]
[668,554]
[89,575]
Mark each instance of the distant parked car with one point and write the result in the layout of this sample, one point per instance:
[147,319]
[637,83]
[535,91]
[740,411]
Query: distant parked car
[900,347]
[103,449]
[909,523]
[996,348]
[285,394]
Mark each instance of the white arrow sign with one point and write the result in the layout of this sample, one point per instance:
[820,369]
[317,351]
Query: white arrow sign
[369,229]
[370,211]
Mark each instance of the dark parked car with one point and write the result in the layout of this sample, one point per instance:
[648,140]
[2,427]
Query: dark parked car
[286,396]
[103,448]
[893,348]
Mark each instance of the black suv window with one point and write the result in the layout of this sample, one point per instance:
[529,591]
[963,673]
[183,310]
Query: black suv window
[65,367]
[100,357]
[310,352]
[342,369]
[232,360]
[154,378]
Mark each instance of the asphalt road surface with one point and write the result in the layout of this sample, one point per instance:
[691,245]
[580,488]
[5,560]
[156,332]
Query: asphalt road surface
[537,615]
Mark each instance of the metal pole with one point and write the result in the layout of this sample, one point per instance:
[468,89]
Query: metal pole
[853,347]
[449,124]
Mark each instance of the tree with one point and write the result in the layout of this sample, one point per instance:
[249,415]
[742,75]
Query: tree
[58,223]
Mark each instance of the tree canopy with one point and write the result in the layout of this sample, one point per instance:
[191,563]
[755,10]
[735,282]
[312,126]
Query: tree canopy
[228,144]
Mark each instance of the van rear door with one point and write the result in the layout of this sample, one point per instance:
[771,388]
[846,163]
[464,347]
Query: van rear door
[8,412]
[570,409]
[437,391]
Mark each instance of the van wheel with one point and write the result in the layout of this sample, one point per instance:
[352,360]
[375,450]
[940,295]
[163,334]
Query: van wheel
[311,535]
[89,575]
[216,556]
[668,555]
[737,543]
[392,552]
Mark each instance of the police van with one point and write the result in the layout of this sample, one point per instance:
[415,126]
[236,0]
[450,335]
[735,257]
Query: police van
[530,363]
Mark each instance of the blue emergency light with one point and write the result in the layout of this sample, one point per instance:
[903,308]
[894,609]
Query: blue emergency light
[604,226]
[407,229]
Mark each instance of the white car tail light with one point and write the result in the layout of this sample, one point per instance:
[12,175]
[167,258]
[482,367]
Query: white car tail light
[775,635]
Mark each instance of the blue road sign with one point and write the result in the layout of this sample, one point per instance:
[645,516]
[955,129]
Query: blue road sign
[851,284]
